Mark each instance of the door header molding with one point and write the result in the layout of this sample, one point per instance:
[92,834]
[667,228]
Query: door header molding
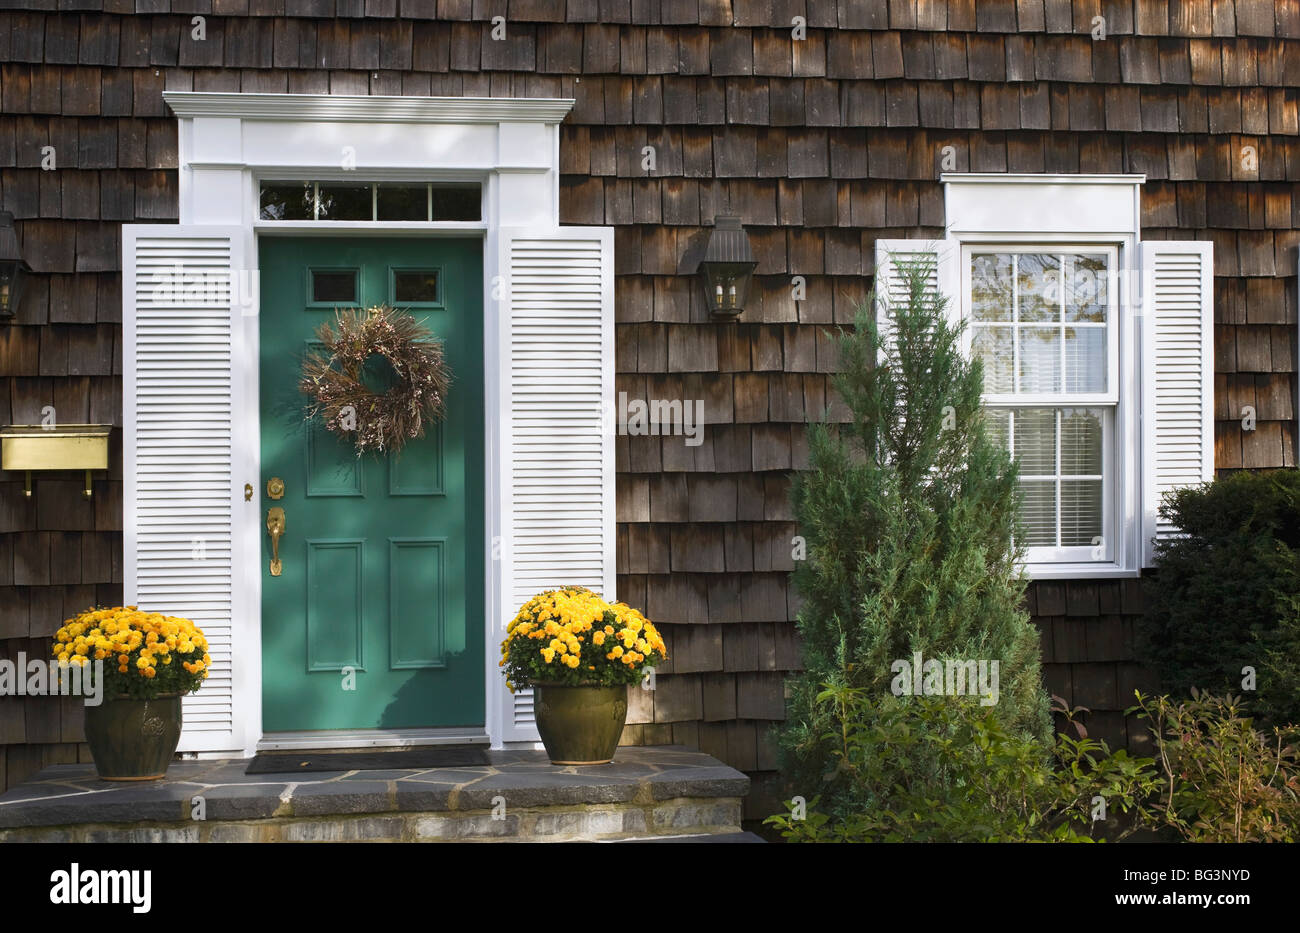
[228,141]
[367,108]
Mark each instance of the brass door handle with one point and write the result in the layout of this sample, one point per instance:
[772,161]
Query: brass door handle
[275,525]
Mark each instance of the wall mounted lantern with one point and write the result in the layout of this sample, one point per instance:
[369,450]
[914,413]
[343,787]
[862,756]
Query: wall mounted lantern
[727,268]
[13,271]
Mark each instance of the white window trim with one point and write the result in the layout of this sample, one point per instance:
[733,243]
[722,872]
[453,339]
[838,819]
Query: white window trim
[228,143]
[1060,211]
[1112,476]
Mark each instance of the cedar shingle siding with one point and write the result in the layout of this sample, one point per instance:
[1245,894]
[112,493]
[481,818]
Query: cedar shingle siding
[821,145]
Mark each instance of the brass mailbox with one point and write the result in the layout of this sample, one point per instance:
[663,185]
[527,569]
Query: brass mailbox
[29,447]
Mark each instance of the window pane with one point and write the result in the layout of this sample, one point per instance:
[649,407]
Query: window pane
[1035,439]
[992,345]
[998,422]
[1080,512]
[287,200]
[1081,441]
[1086,288]
[1085,359]
[1039,279]
[333,286]
[345,202]
[403,202]
[1038,513]
[1059,507]
[415,285]
[990,285]
[456,202]
[1040,359]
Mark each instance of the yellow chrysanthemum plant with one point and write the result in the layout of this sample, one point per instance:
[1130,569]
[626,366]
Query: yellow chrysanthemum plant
[145,654]
[572,637]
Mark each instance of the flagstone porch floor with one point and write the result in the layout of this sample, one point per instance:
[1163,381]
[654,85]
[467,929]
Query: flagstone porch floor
[659,792]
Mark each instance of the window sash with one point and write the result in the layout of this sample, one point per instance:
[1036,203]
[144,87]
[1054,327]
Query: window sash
[1108,401]
[1104,551]
[1113,284]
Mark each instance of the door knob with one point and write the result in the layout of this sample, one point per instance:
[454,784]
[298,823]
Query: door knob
[275,525]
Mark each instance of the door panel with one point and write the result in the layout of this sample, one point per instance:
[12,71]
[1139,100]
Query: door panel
[376,620]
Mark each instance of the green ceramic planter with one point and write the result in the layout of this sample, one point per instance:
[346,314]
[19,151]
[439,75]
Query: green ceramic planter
[580,725]
[134,740]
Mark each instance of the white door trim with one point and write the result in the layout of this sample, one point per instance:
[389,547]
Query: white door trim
[227,143]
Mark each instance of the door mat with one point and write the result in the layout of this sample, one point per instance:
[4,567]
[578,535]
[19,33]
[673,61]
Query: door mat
[424,756]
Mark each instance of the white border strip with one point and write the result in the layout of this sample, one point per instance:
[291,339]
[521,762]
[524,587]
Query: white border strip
[367,108]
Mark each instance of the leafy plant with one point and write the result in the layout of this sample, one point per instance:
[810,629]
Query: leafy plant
[1227,595]
[982,783]
[1224,780]
[909,513]
[1215,777]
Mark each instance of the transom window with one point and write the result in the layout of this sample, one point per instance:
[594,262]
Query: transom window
[1042,321]
[347,200]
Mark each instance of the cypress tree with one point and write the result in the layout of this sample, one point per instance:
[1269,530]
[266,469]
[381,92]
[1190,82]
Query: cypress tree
[909,513]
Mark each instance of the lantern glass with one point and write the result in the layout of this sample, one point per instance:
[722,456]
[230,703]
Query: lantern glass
[727,286]
[13,275]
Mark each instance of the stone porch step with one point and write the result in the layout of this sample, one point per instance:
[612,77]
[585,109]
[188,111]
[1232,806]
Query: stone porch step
[647,792]
[745,837]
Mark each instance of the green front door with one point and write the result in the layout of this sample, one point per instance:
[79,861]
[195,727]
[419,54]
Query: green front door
[376,619]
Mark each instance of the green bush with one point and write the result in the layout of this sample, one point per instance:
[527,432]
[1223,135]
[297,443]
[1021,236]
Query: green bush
[1225,781]
[981,783]
[944,769]
[1227,595]
[908,512]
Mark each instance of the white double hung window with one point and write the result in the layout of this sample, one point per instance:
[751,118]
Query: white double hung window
[1096,351]
[1043,322]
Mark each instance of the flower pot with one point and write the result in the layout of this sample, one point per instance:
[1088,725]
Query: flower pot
[580,725]
[134,740]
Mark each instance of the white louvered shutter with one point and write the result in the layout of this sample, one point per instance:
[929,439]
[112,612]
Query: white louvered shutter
[177,316]
[1177,376]
[892,289]
[559,456]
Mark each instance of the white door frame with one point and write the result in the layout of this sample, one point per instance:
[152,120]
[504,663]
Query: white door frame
[228,143]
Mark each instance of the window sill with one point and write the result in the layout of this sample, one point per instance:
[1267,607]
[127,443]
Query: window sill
[1083,571]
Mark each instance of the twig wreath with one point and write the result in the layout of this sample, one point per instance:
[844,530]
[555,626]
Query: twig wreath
[332,377]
